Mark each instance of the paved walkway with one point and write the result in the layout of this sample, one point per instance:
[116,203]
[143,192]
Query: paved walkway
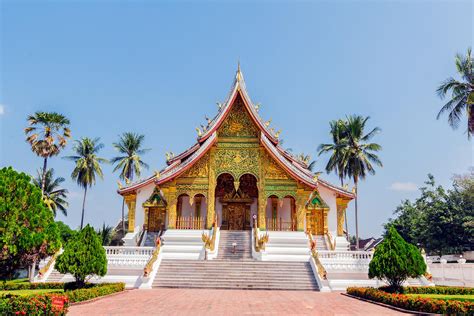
[228,302]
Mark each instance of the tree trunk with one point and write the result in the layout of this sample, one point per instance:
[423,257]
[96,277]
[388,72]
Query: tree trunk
[345,215]
[43,178]
[83,206]
[356,216]
[470,120]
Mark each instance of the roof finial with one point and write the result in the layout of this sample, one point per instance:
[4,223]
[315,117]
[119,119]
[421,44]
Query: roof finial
[239,73]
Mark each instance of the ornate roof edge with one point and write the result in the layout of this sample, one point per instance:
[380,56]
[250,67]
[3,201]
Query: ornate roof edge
[238,87]
[173,170]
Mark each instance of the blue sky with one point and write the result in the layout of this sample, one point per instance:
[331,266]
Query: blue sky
[158,67]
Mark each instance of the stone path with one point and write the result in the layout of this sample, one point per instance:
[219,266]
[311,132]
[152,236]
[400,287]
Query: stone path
[228,302]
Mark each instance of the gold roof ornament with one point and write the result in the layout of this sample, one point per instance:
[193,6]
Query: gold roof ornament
[157,174]
[127,181]
[316,177]
[267,123]
[346,186]
[354,190]
[219,105]
[277,134]
[239,73]
[119,184]
[257,106]
[198,130]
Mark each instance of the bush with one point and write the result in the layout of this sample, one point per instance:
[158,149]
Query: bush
[425,305]
[85,294]
[395,260]
[448,290]
[83,256]
[32,305]
[10,286]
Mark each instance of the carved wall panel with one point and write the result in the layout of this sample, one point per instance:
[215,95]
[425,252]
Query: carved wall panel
[200,169]
[238,123]
[237,161]
[273,170]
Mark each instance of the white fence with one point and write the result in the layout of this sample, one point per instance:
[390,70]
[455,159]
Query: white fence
[128,257]
[454,274]
[346,260]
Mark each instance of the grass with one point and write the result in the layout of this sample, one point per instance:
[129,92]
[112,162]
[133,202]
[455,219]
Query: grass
[30,292]
[469,298]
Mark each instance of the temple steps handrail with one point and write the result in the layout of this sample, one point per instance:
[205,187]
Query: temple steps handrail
[190,222]
[345,254]
[277,224]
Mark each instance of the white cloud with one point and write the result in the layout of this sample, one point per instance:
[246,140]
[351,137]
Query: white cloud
[2,109]
[404,186]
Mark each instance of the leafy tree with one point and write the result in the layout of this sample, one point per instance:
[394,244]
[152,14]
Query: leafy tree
[83,256]
[129,163]
[65,232]
[28,232]
[441,221]
[105,234]
[87,165]
[47,134]
[462,93]
[395,260]
[53,195]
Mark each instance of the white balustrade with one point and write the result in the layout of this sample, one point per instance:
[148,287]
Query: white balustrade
[128,256]
[346,260]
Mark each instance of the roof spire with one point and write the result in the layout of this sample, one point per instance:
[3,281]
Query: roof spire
[239,73]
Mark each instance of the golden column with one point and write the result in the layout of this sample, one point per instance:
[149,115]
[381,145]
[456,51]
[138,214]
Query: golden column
[171,199]
[341,211]
[211,190]
[131,201]
[262,197]
[301,199]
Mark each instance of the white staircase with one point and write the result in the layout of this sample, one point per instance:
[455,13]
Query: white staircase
[182,244]
[243,246]
[286,246]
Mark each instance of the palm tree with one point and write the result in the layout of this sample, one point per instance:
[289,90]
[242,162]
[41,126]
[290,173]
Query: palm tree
[336,162]
[462,93]
[54,196]
[47,134]
[87,165]
[359,155]
[105,234]
[129,162]
[339,143]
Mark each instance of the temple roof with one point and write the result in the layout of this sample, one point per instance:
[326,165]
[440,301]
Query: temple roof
[269,140]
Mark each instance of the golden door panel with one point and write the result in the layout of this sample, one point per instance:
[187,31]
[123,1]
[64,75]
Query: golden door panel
[314,222]
[156,219]
[235,216]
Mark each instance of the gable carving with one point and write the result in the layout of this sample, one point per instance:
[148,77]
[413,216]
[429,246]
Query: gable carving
[273,170]
[200,169]
[238,122]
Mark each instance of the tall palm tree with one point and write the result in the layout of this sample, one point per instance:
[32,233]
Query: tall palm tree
[54,196]
[336,161]
[87,165]
[359,155]
[462,93]
[129,163]
[47,134]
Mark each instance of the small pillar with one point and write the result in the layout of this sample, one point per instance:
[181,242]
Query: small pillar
[131,201]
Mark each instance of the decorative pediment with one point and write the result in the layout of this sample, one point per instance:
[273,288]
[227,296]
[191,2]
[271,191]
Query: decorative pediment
[238,122]
[200,169]
[273,170]
[155,200]
[316,202]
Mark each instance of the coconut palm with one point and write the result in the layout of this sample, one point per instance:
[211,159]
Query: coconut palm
[129,163]
[87,165]
[47,134]
[359,155]
[54,196]
[339,143]
[462,93]
[336,161]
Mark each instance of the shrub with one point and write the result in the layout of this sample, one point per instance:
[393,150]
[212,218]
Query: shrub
[10,286]
[85,294]
[83,256]
[395,260]
[413,303]
[448,290]
[32,305]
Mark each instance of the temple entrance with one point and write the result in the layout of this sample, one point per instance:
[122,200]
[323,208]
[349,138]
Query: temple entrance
[156,219]
[236,199]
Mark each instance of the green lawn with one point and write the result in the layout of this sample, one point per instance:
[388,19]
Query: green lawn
[30,292]
[457,297]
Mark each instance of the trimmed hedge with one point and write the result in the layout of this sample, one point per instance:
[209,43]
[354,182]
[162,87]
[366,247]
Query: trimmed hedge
[11,286]
[426,305]
[32,305]
[41,304]
[80,295]
[448,290]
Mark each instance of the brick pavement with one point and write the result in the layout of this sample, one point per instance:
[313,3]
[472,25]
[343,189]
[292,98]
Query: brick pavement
[228,302]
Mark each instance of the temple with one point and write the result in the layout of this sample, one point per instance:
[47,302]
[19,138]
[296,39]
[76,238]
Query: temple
[237,171]
[234,211]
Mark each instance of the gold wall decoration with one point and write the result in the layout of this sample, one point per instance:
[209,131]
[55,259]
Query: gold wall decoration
[200,169]
[131,201]
[237,161]
[238,123]
[192,189]
[211,191]
[272,169]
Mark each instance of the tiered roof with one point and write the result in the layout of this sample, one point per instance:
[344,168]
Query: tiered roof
[269,140]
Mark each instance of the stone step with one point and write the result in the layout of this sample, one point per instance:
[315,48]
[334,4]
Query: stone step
[238,287]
